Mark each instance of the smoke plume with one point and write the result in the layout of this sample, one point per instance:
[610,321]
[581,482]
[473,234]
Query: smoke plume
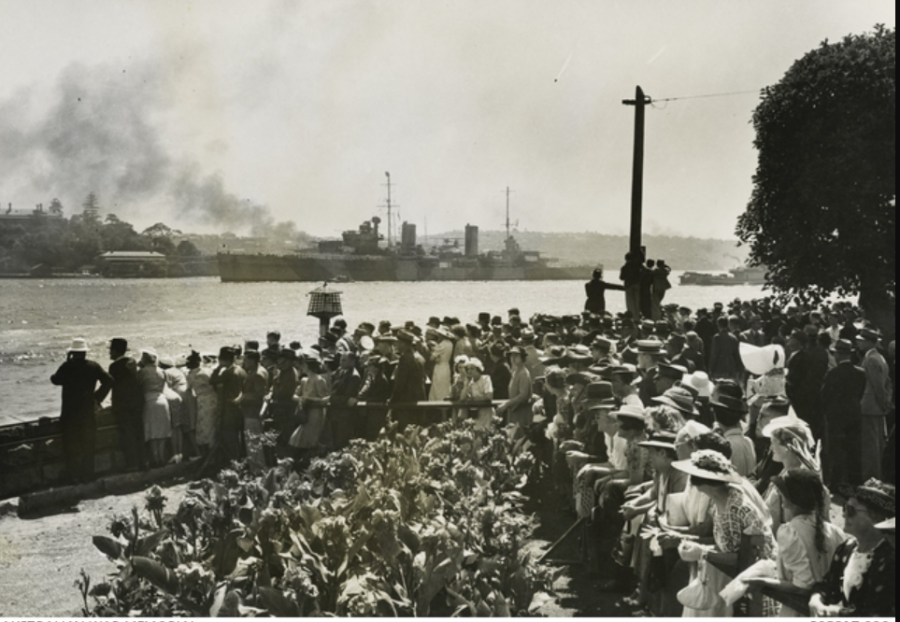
[100,130]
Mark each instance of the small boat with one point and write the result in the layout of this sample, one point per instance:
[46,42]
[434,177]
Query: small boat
[743,275]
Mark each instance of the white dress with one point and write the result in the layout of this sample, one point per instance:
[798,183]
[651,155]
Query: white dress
[440,378]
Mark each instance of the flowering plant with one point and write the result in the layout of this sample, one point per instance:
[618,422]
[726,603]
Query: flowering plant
[427,521]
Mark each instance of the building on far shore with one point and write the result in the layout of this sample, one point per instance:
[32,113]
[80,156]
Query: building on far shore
[132,264]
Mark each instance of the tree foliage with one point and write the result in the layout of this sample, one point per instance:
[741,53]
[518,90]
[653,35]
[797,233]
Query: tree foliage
[821,216]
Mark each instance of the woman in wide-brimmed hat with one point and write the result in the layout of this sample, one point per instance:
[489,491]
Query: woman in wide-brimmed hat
[808,541]
[861,580]
[734,513]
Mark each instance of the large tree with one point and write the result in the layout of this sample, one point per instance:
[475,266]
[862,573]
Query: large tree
[821,215]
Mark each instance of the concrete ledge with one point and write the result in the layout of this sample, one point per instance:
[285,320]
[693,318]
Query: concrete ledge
[67,496]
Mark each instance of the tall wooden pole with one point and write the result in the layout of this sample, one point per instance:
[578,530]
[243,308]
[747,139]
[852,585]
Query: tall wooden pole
[637,171]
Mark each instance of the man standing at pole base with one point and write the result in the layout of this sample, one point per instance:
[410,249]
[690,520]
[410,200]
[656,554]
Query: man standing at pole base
[630,275]
[78,378]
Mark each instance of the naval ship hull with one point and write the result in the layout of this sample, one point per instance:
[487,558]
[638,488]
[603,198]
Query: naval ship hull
[234,268]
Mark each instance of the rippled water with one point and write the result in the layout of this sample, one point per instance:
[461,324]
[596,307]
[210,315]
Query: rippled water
[39,318]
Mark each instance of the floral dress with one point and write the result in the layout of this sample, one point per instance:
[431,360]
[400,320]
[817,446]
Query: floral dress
[742,516]
[863,583]
[203,401]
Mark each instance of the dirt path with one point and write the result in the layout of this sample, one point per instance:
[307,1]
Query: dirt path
[40,558]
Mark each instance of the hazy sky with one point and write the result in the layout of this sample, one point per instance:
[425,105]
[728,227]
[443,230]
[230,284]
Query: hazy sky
[195,112]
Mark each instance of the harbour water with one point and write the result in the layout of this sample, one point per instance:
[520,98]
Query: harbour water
[39,318]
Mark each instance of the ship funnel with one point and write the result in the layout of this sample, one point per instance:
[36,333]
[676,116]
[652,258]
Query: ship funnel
[408,237]
[471,241]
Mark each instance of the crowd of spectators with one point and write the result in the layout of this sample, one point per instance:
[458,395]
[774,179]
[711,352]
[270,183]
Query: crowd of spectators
[673,438]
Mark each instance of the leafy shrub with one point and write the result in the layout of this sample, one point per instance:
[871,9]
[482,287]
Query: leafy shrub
[430,519]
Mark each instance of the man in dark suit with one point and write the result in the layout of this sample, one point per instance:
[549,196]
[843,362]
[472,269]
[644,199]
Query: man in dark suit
[127,404]
[705,329]
[724,357]
[228,381]
[805,372]
[675,346]
[754,335]
[842,390]
[81,398]
[409,379]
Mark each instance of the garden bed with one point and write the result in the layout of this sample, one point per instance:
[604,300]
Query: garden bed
[428,522]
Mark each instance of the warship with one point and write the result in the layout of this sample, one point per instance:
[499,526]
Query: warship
[360,256]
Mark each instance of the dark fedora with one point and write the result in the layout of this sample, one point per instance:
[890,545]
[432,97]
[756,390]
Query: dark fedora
[867,333]
[629,371]
[675,372]
[727,402]
[599,390]
[842,345]
[118,344]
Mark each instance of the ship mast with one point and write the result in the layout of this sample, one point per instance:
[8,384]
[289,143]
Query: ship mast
[507,212]
[390,223]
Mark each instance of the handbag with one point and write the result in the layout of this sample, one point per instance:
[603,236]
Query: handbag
[624,548]
[699,594]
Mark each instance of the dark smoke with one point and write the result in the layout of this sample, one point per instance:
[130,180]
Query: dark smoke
[97,131]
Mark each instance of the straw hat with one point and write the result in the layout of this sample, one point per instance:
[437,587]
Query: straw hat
[629,411]
[649,346]
[554,355]
[78,345]
[709,464]
[660,440]
[874,494]
[678,398]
